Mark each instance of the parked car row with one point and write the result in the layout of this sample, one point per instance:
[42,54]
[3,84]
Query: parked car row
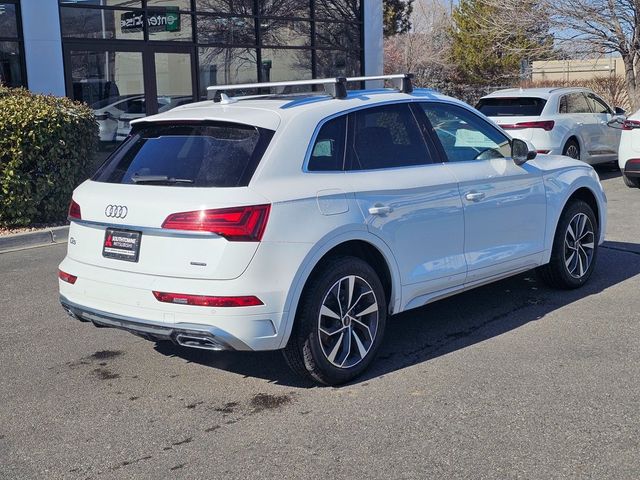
[574,122]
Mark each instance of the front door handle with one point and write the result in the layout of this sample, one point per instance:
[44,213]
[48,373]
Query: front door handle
[474,196]
[378,209]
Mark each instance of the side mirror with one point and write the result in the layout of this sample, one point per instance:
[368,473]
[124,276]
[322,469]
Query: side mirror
[617,122]
[620,111]
[522,151]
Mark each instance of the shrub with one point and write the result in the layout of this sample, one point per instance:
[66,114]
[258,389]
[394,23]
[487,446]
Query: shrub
[47,144]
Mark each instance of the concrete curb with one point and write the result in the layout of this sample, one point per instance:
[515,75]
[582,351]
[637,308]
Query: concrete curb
[20,241]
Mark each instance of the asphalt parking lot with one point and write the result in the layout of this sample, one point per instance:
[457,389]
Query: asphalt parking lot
[512,380]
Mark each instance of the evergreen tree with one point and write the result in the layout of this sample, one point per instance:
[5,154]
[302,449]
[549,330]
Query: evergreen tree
[396,16]
[490,44]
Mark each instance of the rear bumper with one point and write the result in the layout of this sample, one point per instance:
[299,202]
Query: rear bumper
[632,168]
[187,335]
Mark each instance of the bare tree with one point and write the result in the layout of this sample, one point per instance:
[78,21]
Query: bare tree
[583,29]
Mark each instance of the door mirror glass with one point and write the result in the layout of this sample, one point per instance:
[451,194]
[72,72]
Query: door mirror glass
[617,122]
[620,111]
[522,151]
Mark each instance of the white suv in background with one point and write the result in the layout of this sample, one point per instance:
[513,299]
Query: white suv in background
[557,121]
[300,222]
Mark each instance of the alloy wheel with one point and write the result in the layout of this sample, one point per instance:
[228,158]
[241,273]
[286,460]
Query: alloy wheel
[348,321]
[579,245]
[572,151]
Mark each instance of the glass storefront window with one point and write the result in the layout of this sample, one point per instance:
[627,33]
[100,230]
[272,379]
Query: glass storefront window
[11,64]
[169,25]
[337,35]
[170,4]
[104,24]
[112,84]
[8,20]
[283,33]
[338,10]
[231,31]
[330,63]
[231,36]
[230,7]
[281,65]
[223,66]
[278,8]
[105,3]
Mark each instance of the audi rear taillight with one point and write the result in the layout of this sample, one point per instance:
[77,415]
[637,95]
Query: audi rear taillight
[206,300]
[67,277]
[546,125]
[74,211]
[630,124]
[239,224]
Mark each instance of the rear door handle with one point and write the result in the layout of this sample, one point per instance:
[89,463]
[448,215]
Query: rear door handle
[474,196]
[380,210]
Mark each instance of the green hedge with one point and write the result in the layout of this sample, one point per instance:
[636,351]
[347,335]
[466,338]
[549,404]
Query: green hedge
[47,145]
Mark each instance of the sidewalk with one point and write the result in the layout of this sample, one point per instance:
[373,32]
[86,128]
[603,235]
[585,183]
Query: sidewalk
[38,238]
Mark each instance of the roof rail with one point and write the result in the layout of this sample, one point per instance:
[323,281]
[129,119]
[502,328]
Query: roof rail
[335,87]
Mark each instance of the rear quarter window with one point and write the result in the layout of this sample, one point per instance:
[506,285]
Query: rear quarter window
[511,107]
[216,154]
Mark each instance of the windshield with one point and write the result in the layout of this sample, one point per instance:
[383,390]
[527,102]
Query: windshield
[511,107]
[215,154]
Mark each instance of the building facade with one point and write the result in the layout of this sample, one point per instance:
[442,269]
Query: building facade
[155,53]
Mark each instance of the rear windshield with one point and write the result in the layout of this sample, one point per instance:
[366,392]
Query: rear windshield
[216,154]
[511,107]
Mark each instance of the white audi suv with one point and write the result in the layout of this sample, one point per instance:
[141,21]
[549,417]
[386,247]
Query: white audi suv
[557,121]
[302,222]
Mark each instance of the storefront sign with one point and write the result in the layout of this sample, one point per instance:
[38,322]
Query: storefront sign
[131,22]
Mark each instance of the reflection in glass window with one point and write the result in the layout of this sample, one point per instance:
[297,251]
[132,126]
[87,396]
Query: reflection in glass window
[282,65]
[10,64]
[105,24]
[108,3]
[226,30]
[169,25]
[338,10]
[464,135]
[284,33]
[231,7]
[170,4]
[338,62]
[338,35]
[222,66]
[287,8]
[101,75]
[8,21]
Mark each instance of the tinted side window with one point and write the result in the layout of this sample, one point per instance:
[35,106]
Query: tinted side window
[464,135]
[328,150]
[574,103]
[386,137]
[598,105]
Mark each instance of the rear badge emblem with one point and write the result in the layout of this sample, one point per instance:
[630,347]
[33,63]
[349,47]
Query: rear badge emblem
[116,211]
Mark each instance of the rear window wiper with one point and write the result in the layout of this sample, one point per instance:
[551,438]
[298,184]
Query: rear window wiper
[158,179]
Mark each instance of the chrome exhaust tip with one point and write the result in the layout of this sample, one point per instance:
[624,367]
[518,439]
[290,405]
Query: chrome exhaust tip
[198,341]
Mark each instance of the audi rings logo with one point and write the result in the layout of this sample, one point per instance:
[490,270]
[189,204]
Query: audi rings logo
[116,211]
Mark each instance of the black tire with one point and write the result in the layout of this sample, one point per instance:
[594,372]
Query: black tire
[631,182]
[558,272]
[306,350]
[572,149]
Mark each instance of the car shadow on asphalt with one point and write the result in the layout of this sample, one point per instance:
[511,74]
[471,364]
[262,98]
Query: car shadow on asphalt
[442,327]
[608,170]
